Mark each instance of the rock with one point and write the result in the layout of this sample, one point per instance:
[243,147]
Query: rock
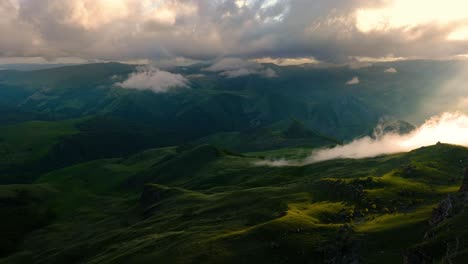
[464,186]
[447,208]
[442,211]
[416,257]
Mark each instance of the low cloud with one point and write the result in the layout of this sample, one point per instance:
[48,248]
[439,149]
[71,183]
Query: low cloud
[276,163]
[269,73]
[391,70]
[153,79]
[234,67]
[355,80]
[288,61]
[356,65]
[196,76]
[450,128]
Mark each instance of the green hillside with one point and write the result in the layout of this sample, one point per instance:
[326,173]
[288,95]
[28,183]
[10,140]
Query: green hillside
[204,204]
[30,148]
[233,132]
[318,97]
[294,134]
[23,145]
[91,172]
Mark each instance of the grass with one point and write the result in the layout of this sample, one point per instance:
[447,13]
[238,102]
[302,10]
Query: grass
[25,146]
[23,208]
[207,205]
[29,141]
[385,238]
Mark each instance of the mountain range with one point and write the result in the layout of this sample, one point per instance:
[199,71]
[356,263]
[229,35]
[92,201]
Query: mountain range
[93,171]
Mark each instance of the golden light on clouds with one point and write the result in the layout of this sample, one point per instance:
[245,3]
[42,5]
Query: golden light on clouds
[459,34]
[166,12]
[377,59]
[410,13]
[276,31]
[93,13]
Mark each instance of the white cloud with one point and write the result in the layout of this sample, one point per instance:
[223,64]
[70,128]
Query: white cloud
[230,64]
[355,80]
[235,67]
[275,163]
[387,58]
[288,61]
[450,128]
[391,70]
[237,73]
[269,73]
[153,79]
[196,76]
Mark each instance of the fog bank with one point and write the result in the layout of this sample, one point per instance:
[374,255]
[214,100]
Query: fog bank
[451,128]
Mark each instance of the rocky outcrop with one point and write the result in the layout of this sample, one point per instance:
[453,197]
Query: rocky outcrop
[442,211]
[447,209]
[446,206]
[464,186]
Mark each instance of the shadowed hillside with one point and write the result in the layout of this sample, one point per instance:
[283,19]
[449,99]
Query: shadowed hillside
[318,97]
[95,173]
[208,205]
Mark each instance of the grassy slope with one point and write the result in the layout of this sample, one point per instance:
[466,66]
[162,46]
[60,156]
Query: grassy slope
[23,208]
[206,205]
[23,145]
[445,241]
[29,141]
[294,134]
[30,148]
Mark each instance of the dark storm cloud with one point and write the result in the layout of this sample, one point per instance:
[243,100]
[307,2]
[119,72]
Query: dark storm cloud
[155,29]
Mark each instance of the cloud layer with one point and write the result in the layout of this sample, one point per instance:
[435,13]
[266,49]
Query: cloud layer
[326,30]
[450,128]
[150,78]
[234,67]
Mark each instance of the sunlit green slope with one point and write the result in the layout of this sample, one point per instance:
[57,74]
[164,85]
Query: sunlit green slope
[208,205]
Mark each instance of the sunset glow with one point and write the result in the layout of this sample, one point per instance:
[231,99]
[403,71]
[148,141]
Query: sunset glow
[408,14]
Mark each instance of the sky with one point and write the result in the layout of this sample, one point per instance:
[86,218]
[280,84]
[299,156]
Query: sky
[278,31]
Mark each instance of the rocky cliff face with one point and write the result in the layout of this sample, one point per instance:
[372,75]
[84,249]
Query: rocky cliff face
[443,243]
[441,212]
